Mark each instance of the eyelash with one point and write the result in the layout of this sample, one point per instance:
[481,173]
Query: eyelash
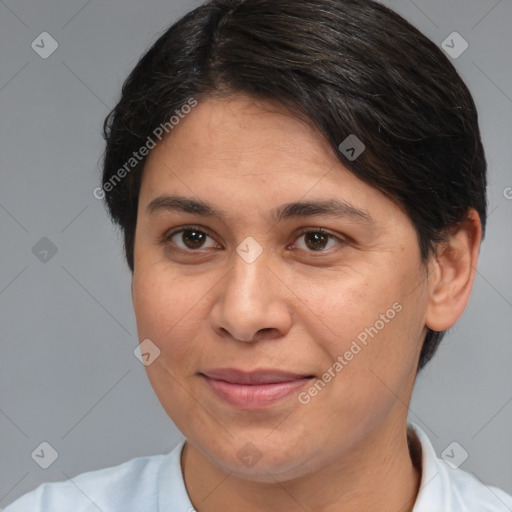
[169,235]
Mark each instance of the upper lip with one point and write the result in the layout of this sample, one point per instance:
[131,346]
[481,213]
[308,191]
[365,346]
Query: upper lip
[235,376]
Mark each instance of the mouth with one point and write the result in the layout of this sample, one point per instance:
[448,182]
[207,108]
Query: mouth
[255,389]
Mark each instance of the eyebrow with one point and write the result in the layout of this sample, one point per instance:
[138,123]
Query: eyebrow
[331,207]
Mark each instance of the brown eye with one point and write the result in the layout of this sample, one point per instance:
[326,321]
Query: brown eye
[192,238]
[318,240]
[189,239]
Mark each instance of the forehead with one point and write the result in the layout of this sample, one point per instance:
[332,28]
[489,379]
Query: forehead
[246,156]
[240,134]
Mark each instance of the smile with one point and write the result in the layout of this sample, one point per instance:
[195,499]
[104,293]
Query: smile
[253,390]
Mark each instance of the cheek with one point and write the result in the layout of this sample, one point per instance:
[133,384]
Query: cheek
[349,306]
[164,300]
[170,310]
[375,325]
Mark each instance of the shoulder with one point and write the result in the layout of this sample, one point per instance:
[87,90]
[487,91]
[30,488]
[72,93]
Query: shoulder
[468,491]
[130,486]
[446,487]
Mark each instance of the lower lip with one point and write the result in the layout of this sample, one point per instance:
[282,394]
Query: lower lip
[258,396]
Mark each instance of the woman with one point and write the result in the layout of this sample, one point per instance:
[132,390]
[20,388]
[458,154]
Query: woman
[301,185]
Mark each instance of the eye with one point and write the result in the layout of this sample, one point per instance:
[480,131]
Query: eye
[317,239]
[194,238]
[191,238]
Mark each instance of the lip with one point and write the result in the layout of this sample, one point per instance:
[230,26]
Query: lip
[254,389]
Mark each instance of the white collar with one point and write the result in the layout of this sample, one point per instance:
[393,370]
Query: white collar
[442,488]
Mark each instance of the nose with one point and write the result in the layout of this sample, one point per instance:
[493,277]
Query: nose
[252,303]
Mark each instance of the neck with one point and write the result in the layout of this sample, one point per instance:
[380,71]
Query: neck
[386,479]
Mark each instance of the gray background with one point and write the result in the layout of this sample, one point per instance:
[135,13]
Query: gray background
[68,375]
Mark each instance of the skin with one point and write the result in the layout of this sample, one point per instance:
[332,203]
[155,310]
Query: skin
[293,308]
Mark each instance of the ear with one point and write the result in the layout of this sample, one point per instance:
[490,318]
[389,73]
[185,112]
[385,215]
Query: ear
[452,274]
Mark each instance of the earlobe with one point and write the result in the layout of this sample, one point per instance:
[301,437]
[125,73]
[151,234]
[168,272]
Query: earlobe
[452,279]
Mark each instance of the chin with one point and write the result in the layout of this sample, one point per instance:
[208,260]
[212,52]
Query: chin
[262,461]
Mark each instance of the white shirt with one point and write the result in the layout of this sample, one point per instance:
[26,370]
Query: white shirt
[155,484]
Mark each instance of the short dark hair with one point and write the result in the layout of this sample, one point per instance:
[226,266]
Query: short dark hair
[347,67]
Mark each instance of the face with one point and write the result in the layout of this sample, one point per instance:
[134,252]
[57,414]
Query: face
[328,306]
